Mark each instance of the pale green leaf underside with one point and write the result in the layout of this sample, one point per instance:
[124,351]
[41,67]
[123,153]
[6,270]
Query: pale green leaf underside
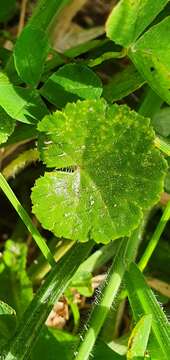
[7,125]
[130,18]
[116,171]
[151,56]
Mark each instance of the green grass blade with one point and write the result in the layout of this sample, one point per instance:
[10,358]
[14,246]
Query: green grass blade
[155,238]
[143,302]
[26,220]
[138,340]
[37,312]
[125,254]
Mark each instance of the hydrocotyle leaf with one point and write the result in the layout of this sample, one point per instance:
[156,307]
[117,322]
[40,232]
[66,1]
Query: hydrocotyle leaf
[7,125]
[71,82]
[151,56]
[143,302]
[130,18]
[108,171]
[21,104]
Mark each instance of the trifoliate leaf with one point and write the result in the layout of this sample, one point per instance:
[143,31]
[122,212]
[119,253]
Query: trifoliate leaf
[30,59]
[71,82]
[7,125]
[151,56]
[130,18]
[115,171]
[20,103]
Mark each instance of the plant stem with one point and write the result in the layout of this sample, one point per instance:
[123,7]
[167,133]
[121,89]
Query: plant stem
[40,307]
[18,164]
[106,56]
[125,254]
[26,220]
[155,238]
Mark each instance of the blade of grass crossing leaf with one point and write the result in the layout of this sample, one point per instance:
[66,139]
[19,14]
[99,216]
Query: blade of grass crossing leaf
[26,220]
[155,238]
[143,302]
[39,309]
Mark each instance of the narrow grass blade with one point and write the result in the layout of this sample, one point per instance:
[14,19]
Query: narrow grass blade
[138,340]
[155,238]
[143,302]
[125,254]
[26,220]
[37,312]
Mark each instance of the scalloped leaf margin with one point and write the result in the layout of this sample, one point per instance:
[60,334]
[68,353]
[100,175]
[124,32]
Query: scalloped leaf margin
[107,171]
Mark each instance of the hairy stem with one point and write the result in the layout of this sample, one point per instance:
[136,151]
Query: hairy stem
[18,164]
[125,254]
[106,56]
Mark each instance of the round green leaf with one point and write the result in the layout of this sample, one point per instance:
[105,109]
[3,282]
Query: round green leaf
[107,171]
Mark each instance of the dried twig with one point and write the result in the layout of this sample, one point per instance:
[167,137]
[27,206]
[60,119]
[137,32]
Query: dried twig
[22,16]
